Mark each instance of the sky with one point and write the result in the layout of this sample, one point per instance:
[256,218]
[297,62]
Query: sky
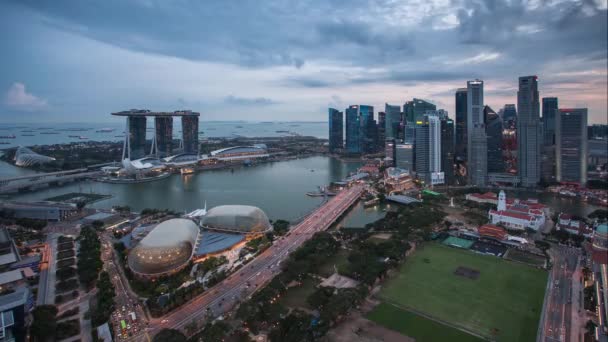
[78,61]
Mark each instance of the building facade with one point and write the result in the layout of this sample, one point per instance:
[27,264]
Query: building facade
[336,129]
[353,136]
[137,137]
[190,134]
[494,133]
[447,150]
[509,113]
[461,124]
[393,120]
[477,153]
[404,157]
[550,106]
[571,145]
[163,139]
[528,132]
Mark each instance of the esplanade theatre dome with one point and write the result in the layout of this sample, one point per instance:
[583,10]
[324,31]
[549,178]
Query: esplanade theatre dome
[166,249]
[242,219]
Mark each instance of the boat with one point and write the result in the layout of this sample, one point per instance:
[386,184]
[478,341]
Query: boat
[119,136]
[4,143]
[82,138]
[49,132]
[186,170]
[27,135]
[12,136]
[73,136]
[105,130]
[282,131]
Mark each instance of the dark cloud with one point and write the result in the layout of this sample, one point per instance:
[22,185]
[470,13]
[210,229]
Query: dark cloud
[247,101]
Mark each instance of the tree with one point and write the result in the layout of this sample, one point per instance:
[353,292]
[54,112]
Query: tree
[97,224]
[45,323]
[169,335]
[80,205]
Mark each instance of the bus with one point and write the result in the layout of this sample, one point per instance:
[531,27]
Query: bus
[123,324]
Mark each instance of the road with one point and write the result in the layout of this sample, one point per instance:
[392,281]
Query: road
[253,276]
[562,302]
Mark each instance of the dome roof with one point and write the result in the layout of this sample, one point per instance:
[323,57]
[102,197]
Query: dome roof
[237,218]
[166,248]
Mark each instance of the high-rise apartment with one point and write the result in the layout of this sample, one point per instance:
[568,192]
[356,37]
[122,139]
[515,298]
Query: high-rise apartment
[571,145]
[336,129]
[461,124]
[528,132]
[477,148]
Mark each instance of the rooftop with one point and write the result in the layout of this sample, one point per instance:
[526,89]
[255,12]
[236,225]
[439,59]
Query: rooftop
[147,112]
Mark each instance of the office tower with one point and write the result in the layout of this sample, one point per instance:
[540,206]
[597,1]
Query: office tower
[336,135]
[509,113]
[461,124]
[389,151]
[571,145]
[190,133]
[494,133]
[353,130]
[597,131]
[163,139]
[415,110]
[528,132]
[137,137]
[381,129]
[428,149]
[393,119]
[447,149]
[404,157]
[368,135]
[549,107]
[440,113]
[477,144]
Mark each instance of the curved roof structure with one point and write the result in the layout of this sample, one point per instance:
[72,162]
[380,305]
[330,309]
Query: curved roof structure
[238,149]
[167,248]
[237,218]
[26,157]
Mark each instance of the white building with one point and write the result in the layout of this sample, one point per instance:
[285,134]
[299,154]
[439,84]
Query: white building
[518,215]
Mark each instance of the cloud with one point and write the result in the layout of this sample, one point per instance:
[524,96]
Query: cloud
[246,101]
[18,98]
[477,59]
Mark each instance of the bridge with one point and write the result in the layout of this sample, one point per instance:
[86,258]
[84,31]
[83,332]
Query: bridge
[15,184]
[241,284]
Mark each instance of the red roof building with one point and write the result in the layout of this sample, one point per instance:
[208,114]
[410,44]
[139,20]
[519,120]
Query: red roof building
[492,231]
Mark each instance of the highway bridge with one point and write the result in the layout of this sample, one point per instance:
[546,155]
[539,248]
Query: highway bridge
[253,276]
[36,180]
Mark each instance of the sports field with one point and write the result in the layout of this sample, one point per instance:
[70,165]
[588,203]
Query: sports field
[417,327]
[503,303]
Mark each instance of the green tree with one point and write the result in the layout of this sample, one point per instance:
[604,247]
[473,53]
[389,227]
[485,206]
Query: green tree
[45,323]
[169,335]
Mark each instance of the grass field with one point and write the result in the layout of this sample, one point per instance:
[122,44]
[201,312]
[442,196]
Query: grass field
[504,303]
[415,326]
[295,297]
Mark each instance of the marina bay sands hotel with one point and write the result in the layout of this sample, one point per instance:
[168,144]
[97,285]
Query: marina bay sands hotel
[162,141]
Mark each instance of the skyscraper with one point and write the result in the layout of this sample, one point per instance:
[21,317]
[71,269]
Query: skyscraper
[190,132]
[368,127]
[137,137]
[420,107]
[393,119]
[447,149]
[428,149]
[549,107]
[477,144]
[163,139]
[571,145]
[509,113]
[494,133]
[336,128]
[389,152]
[461,124]
[528,132]
[381,129]
[353,130]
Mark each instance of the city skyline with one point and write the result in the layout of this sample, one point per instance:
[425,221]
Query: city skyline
[258,73]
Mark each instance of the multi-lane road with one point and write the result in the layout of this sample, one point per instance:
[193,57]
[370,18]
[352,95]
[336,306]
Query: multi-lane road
[238,286]
[563,297]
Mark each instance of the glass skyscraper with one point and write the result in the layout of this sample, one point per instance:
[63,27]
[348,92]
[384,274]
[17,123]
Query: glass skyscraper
[336,128]
[353,130]
[494,134]
[571,145]
[393,120]
[528,132]
[369,134]
[461,124]
[447,149]
[550,105]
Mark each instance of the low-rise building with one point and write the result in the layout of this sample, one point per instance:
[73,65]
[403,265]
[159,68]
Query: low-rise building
[396,179]
[518,215]
[49,211]
[573,225]
[493,232]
